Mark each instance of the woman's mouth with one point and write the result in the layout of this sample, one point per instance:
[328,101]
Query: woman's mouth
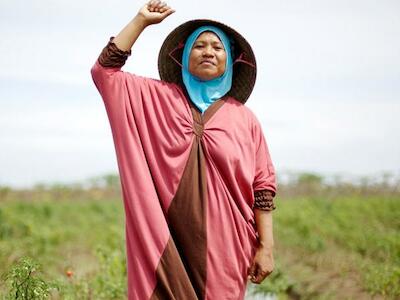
[207,62]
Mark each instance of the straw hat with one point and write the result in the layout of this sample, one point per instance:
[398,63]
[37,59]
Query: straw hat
[244,67]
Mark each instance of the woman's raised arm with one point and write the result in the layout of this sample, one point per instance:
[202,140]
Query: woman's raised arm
[119,47]
[106,71]
[151,13]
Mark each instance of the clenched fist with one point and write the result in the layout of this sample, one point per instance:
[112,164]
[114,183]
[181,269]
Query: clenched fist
[262,266]
[155,11]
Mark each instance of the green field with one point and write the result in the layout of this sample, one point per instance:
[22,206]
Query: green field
[327,245]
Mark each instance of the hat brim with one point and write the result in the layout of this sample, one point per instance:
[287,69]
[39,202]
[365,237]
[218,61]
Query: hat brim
[244,74]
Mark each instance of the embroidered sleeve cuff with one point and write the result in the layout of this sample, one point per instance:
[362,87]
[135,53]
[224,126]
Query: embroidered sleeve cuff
[112,56]
[264,200]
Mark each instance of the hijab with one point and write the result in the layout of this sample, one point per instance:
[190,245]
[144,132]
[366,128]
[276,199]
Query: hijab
[204,93]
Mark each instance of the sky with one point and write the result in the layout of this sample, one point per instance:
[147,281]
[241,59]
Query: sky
[327,91]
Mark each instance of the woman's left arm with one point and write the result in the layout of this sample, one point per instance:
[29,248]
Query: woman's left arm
[264,187]
[264,227]
[263,262]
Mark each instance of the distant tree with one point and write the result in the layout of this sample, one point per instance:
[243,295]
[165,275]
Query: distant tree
[309,178]
[111,180]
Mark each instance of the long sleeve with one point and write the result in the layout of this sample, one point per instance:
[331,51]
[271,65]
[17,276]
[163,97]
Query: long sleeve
[123,92]
[264,184]
[110,81]
[264,200]
[142,112]
[112,56]
[106,72]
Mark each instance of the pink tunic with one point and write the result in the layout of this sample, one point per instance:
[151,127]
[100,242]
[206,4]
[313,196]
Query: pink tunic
[188,183]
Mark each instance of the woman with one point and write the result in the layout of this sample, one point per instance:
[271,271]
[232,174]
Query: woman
[196,175]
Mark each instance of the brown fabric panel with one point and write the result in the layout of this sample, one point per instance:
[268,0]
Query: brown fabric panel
[202,119]
[112,56]
[212,109]
[187,223]
[264,200]
[172,279]
[187,219]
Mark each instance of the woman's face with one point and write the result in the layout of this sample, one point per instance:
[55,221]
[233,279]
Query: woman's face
[207,58]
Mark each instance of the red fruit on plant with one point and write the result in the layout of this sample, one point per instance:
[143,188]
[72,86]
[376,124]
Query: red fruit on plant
[69,273]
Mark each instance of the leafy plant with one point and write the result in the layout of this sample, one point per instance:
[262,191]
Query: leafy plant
[25,283]
[110,281]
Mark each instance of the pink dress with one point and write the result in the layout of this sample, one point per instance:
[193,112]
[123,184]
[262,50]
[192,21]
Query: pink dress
[189,183]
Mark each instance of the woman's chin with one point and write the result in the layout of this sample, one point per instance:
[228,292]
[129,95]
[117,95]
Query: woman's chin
[205,76]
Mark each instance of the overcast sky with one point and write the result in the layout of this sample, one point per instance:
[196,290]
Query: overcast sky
[327,91]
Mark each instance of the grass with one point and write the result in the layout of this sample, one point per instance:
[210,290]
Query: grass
[338,248]
[82,238]
[345,246]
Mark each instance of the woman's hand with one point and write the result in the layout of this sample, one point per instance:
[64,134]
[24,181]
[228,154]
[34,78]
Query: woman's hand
[262,266]
[154,12]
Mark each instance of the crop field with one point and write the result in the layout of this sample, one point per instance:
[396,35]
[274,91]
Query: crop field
[67,242]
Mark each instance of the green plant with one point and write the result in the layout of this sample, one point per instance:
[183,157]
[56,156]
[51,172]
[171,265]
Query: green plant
[277,283]
[25,283]
[110,281]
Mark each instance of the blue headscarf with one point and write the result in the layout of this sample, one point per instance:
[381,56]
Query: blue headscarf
[204,93]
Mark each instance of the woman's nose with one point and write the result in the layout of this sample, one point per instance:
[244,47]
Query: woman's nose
[208,51]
